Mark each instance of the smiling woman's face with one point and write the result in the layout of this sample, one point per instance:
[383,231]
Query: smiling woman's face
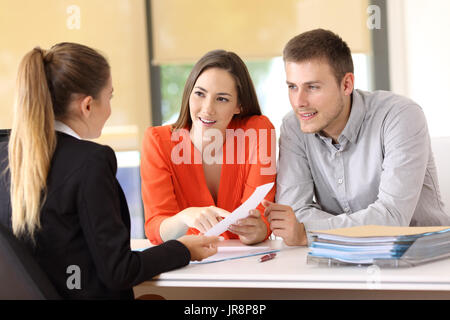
[213,101]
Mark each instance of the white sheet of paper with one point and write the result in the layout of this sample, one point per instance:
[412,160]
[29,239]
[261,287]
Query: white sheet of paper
[242,211]
[230,253]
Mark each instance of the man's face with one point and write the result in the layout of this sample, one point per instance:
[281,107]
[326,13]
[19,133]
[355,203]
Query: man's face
[316,97]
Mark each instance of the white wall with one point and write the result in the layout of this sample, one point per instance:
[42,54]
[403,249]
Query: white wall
[419,54]
[419,47]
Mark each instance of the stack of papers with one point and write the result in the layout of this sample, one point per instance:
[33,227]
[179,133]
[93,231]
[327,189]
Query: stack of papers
[381,245]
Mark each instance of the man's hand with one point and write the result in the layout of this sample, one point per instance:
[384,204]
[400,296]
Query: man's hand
[250,230]
[284,224]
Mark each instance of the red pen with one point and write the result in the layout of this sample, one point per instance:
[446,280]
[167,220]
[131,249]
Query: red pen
[267,257]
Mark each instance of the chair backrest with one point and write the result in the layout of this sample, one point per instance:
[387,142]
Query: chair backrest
[21,278]
[4,134]
[441,152]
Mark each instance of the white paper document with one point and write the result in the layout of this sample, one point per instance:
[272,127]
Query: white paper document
[230,253]
[235,249]
[242,211]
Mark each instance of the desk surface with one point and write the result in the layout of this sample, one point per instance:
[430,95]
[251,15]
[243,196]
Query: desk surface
[290,271]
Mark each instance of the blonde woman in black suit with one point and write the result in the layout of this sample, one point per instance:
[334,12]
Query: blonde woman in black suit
[59,193]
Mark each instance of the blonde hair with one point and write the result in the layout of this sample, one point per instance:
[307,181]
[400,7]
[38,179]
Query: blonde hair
[46,81]
[32,143]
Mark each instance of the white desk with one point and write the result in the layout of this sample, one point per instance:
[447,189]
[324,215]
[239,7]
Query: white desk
[289,277]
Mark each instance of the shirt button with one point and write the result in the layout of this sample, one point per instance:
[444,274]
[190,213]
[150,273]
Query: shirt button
[346,209]
[340,181]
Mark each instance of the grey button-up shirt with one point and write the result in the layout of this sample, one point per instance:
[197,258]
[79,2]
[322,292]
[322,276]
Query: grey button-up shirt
[381,172]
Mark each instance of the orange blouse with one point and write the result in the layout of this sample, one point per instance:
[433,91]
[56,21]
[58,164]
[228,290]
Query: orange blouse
[173,179]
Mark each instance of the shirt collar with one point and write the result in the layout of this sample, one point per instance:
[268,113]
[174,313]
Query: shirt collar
[64,128]
[356,119]
[354,122]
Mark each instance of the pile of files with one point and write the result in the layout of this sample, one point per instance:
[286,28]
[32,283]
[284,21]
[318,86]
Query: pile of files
[384,246]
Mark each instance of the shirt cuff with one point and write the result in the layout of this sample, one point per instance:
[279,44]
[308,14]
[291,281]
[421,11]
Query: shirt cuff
[315,225]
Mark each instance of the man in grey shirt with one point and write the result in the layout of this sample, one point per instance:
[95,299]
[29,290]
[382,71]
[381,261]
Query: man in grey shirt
[348,157]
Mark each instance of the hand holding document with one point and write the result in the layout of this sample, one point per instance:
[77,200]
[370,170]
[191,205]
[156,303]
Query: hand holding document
[242,211]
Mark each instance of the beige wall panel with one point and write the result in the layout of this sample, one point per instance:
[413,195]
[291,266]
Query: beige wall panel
[345,17]
[117,28]
[184,30]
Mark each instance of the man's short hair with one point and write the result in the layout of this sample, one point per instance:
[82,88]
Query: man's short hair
[320,44]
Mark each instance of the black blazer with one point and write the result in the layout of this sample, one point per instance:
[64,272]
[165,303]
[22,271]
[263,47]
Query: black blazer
[86,225]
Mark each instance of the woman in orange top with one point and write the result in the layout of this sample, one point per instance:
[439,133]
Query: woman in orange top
[210,161]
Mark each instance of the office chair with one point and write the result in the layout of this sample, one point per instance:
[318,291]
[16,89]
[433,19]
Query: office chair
[4,134]
[440,147]
[21,278]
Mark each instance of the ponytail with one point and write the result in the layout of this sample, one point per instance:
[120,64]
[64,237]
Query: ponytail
[32,143]
[46,83]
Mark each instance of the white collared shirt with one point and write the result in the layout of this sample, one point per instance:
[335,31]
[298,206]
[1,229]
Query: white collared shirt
[64,128]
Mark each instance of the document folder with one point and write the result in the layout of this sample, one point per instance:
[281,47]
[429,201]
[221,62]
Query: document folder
[384,246]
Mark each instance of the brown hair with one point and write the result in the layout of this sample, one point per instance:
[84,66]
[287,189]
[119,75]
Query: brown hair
[230,62]
[320,44]
[46,82]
